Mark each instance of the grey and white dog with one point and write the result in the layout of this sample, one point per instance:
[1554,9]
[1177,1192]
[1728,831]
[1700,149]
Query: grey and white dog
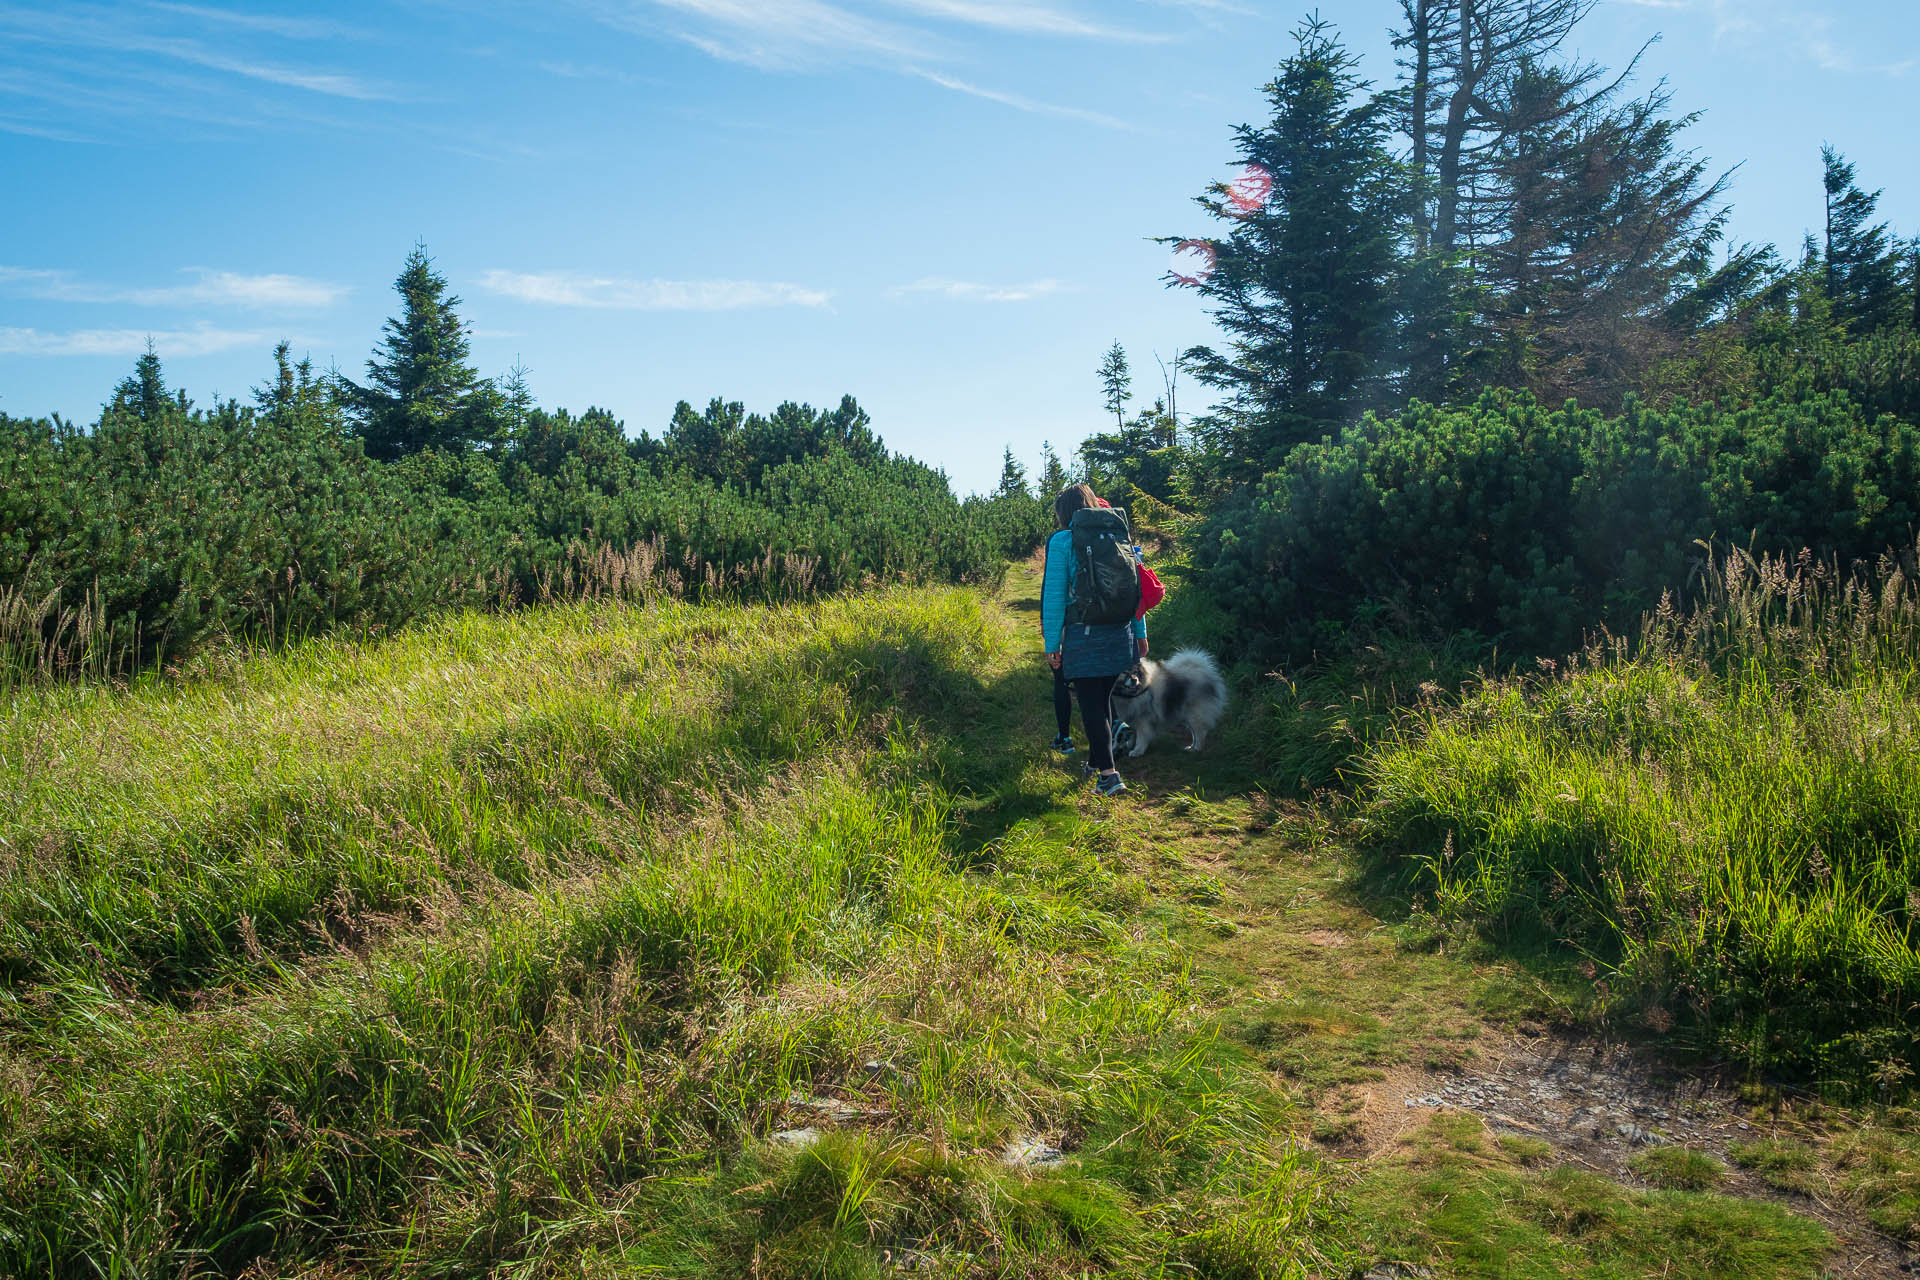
[1155,697]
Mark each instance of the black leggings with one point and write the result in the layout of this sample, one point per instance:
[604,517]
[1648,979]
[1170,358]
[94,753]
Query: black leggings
[1096,713]
[1062,703]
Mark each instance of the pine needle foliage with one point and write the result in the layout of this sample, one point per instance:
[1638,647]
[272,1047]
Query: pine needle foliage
[166,531]
[422,391]
[1532,528]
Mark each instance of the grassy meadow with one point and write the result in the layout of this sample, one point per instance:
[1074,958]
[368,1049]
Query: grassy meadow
[506,944]
[722,940]
[1724,821]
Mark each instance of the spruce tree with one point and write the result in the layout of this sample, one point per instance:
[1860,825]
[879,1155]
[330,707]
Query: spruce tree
[1863,261]
[1913,283]
[516,407]
[297,391]
[1013,476]
[143,394]
[1608,220]
[1053,475]
[1116,383]
[421,392]
[1458,60]
[280,395]
[1304,285]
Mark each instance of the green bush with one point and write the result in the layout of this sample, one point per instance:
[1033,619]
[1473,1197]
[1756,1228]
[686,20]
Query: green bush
[165,528]
[168,531]
[1530,526]
[1881,372]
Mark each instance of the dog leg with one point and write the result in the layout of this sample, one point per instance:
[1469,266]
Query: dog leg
[1142,739]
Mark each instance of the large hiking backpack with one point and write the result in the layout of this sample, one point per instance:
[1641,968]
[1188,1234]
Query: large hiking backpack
[1106,581]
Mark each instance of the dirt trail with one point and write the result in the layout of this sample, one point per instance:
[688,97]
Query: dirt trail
[1599,1104]
[1379,1037]
[1424,1050]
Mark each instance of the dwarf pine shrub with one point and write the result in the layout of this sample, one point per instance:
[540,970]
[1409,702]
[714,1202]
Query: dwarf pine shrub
[1532,527]
[164,528]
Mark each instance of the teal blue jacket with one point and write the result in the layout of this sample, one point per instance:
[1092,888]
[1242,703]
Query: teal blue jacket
[1056,589]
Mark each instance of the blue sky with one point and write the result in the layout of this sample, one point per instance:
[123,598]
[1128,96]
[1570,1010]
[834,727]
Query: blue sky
[940,206]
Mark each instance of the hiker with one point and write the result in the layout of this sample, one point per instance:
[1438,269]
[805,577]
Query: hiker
[1090,620]
[1062,694]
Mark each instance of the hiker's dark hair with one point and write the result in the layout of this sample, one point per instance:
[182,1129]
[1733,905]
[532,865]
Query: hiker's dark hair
[1071,499]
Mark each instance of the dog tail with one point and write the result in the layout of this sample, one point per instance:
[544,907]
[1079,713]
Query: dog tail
[1198,664]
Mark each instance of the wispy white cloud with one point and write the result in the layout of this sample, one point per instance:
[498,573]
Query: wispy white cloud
[221,288]
[1836,38]
[1026,19]
[807,34]
[1020,102]
[34,129]
[969,291]
[265,23]
[1830,56]
[72,86]
[201,341]
[573,289]
[775,33]
[89,28]
[580,71]
[333,84]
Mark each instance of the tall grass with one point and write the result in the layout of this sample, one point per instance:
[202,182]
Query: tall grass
[42,637]
[501,947]
[46,636]
[1724,817]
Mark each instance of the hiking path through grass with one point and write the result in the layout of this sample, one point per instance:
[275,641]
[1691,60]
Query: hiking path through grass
[1484,1130]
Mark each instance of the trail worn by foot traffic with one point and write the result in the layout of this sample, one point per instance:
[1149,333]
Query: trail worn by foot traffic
[1482,1129]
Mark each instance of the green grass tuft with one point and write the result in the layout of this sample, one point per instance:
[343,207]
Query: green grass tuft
[1722,825]
[1679,1169]
[1462,1206]
[1780,1162]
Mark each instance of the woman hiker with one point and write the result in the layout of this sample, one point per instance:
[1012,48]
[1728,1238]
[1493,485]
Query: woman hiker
[1089,657]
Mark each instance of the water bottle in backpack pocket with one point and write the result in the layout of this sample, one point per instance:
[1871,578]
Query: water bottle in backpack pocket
[1152,590]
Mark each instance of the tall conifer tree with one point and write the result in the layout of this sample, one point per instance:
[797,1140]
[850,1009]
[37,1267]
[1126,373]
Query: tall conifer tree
[1913,283]
[143,394]
[1013,476]
[1053,473]
[1863,262]
[1303,285]
[1608,221]
[421,392]
[1116,383]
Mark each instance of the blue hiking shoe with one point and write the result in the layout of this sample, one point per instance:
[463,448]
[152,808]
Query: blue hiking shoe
[1109,784]
[1063,744]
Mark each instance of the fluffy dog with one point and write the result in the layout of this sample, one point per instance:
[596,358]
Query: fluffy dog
[1154,697]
